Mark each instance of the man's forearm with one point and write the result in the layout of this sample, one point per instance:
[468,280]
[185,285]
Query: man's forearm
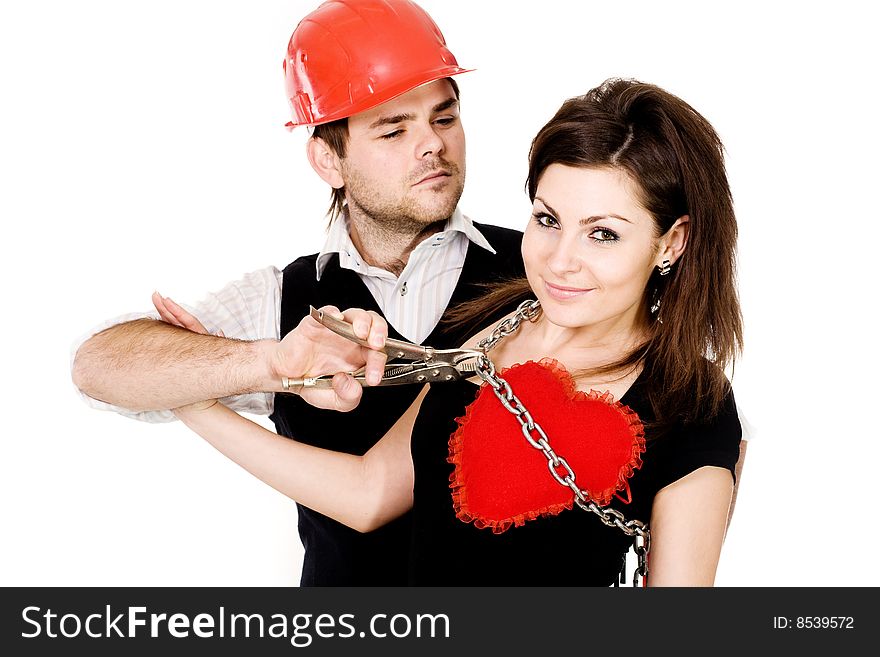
[150,365]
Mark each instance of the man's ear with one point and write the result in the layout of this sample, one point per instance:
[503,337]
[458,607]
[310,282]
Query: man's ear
[674,241]
[325,162]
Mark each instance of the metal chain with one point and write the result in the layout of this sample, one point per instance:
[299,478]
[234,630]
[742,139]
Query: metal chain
[534,434]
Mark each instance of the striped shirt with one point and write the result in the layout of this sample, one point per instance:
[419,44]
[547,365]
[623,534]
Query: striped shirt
[414,301]
[250,308]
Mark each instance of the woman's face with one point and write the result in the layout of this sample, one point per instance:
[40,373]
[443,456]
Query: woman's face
[589,248]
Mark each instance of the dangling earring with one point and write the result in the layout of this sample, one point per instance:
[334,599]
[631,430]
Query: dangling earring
[663,269]
[656,305]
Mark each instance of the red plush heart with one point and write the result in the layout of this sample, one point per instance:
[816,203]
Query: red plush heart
[501,480]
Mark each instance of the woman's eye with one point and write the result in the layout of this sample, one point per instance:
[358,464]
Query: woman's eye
[604,235]
[448,120]
[545,220]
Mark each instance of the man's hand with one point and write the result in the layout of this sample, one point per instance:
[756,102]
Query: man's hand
[311,350]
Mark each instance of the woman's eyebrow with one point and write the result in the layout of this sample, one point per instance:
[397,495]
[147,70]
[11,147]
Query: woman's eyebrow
[595,218]
[547,205]
[588,220]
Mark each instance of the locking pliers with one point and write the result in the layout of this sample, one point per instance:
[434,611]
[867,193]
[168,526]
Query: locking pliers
[407,362]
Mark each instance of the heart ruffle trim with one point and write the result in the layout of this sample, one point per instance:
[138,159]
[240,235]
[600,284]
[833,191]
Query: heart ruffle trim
[602,498]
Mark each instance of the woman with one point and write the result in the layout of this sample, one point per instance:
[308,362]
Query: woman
[630,251]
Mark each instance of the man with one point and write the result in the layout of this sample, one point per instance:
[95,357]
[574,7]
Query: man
[373,78]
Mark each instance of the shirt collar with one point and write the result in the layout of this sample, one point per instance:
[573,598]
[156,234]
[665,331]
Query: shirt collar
[339,242]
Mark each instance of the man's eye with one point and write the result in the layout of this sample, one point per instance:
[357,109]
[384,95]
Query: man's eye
[392,135]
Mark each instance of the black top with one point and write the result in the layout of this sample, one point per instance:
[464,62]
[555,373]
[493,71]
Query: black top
[572,548]
[336,555]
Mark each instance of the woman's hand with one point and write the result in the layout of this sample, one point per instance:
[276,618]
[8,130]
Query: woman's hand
[362,492]
[172,313]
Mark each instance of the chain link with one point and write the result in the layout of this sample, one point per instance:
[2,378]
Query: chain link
[529,310]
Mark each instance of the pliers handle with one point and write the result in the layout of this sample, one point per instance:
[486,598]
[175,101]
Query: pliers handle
[426,364]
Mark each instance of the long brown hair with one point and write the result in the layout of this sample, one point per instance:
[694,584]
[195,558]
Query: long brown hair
[676,158]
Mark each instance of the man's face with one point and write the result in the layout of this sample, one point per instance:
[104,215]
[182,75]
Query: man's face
[405,162]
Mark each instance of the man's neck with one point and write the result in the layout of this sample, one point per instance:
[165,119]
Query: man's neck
[385,248]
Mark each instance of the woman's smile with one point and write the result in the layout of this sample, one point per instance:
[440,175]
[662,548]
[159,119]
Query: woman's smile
[562,293]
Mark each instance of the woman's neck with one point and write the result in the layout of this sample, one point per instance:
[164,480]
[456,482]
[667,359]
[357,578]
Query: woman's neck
[580,350]
[582,347]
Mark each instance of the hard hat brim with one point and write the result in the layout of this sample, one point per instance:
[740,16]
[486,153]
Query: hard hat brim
[380,97]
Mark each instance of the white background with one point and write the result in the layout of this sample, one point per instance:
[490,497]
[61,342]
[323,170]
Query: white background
[142,148]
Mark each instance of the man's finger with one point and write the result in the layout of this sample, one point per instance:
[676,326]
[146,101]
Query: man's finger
[375,365]
[333,311]
[348,392]
[368,325]
[360,321]
[313,328]
[378,331]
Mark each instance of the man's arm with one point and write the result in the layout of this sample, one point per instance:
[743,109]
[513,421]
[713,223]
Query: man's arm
[175,360]
[149,365]
[109,367]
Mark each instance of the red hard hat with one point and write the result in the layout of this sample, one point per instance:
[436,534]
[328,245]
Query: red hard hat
[348,56]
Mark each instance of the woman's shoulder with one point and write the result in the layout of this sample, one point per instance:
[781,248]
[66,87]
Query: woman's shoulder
[710,440]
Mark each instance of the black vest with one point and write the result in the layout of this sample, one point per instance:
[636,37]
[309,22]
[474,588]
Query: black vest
[334,554]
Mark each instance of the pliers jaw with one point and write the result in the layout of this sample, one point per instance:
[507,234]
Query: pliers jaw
[408,363]
[442,366]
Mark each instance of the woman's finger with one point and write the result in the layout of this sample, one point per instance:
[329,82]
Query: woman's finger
[173,313]
[186,319]
[166,315]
